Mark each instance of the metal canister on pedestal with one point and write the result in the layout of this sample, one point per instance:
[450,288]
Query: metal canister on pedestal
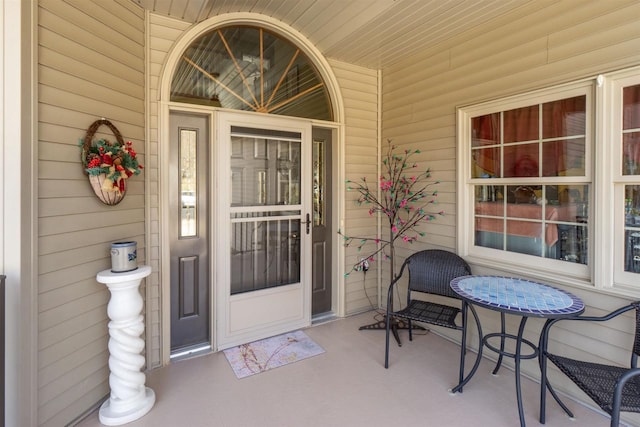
[124,256]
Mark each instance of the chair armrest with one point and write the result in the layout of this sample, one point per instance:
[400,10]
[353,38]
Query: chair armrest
[549,323]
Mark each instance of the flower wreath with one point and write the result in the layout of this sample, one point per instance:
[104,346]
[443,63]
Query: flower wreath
[108,165]
[118,163]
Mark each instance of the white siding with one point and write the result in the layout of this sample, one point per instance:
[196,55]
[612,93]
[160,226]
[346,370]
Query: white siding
[90,65]
[557,43]
[359,88]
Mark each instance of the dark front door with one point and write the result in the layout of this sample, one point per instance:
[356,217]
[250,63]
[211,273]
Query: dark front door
[189,234]
[322,231]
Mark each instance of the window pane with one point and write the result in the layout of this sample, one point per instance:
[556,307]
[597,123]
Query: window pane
[565,117]
[632,228]
[570,213]
[563,158]
[521,160]
[485,130]
[486,163]
[264,171]
[188,188]
[631,153]
[631,130]
[318,182]
[489,233]
[264,254]
[631,107]
[521,124]
[525,237]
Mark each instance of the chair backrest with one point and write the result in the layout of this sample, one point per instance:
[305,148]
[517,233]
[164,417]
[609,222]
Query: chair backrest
[432,270]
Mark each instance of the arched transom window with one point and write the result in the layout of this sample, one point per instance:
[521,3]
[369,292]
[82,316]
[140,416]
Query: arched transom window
[251,69]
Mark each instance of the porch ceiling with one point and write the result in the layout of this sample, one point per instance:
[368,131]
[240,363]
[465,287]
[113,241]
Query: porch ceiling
[370,33]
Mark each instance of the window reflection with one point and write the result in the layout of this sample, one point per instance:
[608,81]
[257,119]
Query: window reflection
[632,228]
[188,188]
[630,133]
[318,182]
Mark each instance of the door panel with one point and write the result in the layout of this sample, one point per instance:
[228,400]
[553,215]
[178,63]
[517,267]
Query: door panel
[322,231]
[188,217]
[265,289]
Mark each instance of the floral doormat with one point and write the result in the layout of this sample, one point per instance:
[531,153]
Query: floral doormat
[270,353]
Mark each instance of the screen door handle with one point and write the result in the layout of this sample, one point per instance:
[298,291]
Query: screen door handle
[307,222]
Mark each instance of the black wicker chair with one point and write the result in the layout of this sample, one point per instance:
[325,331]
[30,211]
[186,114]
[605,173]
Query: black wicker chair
[430,272]
[612,388]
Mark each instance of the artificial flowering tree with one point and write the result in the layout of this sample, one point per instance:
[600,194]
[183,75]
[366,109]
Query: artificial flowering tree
[404,195]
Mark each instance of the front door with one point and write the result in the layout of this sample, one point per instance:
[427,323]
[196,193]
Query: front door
[189,232]
[264,214]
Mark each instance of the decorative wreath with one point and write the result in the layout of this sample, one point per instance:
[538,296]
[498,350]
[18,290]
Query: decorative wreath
[108,164]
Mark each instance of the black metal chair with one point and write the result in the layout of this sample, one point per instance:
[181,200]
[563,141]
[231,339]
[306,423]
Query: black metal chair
[612,388]
[430,272]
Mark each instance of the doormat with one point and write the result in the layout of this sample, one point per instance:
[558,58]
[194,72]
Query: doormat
[270,353]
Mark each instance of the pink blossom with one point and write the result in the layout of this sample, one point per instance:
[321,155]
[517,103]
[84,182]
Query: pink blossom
[405,238]
[385,185]
[403,203]
[394,229]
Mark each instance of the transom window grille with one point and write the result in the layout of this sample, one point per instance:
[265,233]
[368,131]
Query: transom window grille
[251,69]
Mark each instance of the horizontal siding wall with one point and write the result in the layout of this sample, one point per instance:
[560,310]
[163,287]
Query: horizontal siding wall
[359,88]
[553,44]
[90,66]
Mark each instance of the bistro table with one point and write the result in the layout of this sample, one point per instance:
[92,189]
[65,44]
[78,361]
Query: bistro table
[519,297]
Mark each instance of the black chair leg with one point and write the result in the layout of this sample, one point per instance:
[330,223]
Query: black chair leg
[463,349]
[386,352]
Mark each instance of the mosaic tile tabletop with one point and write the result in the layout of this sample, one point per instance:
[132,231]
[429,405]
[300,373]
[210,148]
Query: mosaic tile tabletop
[517,296]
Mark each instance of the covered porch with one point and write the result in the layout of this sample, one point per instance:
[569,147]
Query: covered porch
[348,386]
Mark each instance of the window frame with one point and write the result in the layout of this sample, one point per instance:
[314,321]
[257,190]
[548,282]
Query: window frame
[612,88]
[605,270]
[544,268]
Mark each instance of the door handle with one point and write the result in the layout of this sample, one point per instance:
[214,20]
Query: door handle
[307,222]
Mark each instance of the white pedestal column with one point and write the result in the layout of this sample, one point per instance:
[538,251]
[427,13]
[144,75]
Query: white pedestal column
[129,399]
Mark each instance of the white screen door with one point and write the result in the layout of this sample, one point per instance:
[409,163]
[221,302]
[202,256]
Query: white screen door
[264,202]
